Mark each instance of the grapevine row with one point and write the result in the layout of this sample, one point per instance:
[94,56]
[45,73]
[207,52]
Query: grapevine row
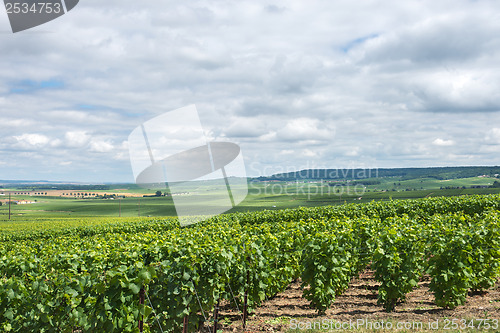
[90,278]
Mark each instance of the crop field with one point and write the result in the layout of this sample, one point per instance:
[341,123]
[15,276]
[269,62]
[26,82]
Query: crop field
[261,195]
[106,274]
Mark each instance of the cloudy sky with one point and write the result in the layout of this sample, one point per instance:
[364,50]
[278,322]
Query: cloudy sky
[297,84]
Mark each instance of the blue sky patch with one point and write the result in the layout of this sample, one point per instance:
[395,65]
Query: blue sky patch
[31,86]
[347,47]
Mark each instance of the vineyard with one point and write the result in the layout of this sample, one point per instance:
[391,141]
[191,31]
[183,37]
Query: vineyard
[152,275]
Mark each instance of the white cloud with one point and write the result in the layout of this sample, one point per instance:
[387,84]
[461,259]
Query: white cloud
[343,83]
[309,153]
[76,139]
[452,37]
[32,140]
[247,127]
[306,129]
[443,142]
[268,137]
[353,152]
[493,136]
[101,146]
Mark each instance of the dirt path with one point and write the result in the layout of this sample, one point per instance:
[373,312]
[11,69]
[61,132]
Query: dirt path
[289,310]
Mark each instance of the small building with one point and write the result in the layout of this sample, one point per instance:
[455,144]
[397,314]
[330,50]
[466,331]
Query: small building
[23,202]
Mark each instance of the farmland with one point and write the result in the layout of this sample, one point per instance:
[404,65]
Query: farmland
[127,200]
[90,274]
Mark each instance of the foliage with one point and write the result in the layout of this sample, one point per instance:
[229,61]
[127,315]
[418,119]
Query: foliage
[398,261]
[87,276]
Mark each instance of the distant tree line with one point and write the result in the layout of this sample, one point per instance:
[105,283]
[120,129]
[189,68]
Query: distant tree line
[439,173]
[157,194]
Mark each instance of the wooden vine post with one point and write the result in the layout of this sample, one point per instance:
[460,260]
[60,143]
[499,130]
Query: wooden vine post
[185,324]
[141,305]
[245,298]
[216,316]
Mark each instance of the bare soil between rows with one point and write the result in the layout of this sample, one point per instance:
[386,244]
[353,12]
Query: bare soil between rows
[359,302]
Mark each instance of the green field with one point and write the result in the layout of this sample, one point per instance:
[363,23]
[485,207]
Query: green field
[92,274]
[262,195]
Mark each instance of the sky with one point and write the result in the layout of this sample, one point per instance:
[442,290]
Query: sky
[296,84]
